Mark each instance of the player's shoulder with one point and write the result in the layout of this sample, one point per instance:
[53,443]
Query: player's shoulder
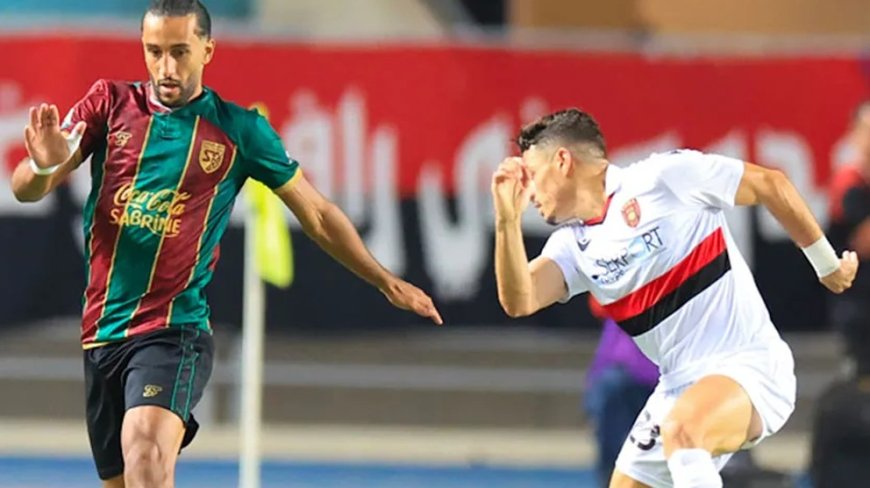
[115,86]
[661,163]
[674,156]
[566,231]
[233,111]
[245,125]
[244,122]
[112,95]
[649,175]
[102,87]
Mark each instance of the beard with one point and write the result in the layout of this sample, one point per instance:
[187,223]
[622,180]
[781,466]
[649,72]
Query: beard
[185,93]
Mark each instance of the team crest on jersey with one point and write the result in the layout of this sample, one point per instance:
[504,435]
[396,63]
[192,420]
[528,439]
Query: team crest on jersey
[211,156]
[631,213]
[121,138]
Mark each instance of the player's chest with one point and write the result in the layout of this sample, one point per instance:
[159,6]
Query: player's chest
[640,238]
[166,148]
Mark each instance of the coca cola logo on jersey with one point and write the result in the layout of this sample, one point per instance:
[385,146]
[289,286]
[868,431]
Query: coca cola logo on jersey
[156,211]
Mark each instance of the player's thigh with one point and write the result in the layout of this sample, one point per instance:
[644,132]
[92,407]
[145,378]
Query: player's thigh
[165,378]
[104,394]
[622,480]
[170,369]
[715,414]
[148,428]
[642,457]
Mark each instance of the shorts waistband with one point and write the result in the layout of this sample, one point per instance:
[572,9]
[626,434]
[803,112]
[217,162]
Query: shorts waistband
[697,369]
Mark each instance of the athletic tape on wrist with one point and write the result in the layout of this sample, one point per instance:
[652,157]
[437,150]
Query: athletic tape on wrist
[72,142]
[822,257]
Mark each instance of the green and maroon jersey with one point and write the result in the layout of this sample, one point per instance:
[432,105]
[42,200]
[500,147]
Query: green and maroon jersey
[164,183]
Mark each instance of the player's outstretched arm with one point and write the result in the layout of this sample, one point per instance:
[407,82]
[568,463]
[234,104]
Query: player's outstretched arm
[330,228]
[523,287]
[53,154]
[773,189]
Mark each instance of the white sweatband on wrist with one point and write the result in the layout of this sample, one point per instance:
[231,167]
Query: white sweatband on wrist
[43,171]
[822,256]
[73,141]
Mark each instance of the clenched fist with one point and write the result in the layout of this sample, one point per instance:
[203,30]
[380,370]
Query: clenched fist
[841,279]
[511,189]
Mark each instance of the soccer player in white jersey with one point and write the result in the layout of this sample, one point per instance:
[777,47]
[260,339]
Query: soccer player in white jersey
[650,242]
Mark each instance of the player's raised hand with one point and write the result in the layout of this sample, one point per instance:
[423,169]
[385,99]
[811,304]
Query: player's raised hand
[841,279]
[408,297]
[511,188]
[46,144]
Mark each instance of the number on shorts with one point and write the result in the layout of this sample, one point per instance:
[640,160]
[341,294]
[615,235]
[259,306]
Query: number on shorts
[645,432]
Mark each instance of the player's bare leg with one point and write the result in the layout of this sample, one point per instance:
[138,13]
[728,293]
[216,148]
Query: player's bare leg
[150,438]
[712,417]
[622,480]
[116,482]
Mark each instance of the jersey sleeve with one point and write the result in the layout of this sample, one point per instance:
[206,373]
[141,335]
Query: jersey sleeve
[709,180]
[265,157]
[560,249]
[93,109]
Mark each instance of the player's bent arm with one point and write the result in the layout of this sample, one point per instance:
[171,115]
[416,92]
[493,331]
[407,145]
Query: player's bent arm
[524,287]
[330,228]
[27,186]
[772,189]
[548,282]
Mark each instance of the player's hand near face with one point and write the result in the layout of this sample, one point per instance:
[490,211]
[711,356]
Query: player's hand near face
[511,189]
[406,296]
[841,279]
[46,144]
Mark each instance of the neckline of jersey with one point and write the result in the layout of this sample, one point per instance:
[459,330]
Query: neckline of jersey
[612,182]
[157,108]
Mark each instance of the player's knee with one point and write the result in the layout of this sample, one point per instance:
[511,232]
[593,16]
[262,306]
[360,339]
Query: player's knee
[147,462]
[678,433]
[149,440]
[147,455]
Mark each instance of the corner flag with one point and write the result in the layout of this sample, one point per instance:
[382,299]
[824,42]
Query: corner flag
[273,249]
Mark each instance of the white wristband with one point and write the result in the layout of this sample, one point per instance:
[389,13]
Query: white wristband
[43,171]
[822,256]
[73,141]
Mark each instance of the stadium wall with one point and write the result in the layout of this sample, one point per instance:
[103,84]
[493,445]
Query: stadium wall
[405,137]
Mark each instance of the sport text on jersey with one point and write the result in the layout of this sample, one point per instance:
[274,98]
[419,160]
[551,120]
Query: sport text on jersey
[641,248]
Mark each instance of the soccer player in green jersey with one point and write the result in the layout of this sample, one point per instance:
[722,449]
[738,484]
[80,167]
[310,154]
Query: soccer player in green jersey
[168,159]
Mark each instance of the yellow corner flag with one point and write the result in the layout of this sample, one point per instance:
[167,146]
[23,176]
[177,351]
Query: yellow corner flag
[273,248]
[273,251]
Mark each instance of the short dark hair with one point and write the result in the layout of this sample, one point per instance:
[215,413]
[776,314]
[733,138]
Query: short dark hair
[569,126]
[182,8]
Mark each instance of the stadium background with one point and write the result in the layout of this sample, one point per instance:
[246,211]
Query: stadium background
[399,110]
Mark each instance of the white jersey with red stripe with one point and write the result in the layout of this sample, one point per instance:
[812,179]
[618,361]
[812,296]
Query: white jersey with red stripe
[663,263]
